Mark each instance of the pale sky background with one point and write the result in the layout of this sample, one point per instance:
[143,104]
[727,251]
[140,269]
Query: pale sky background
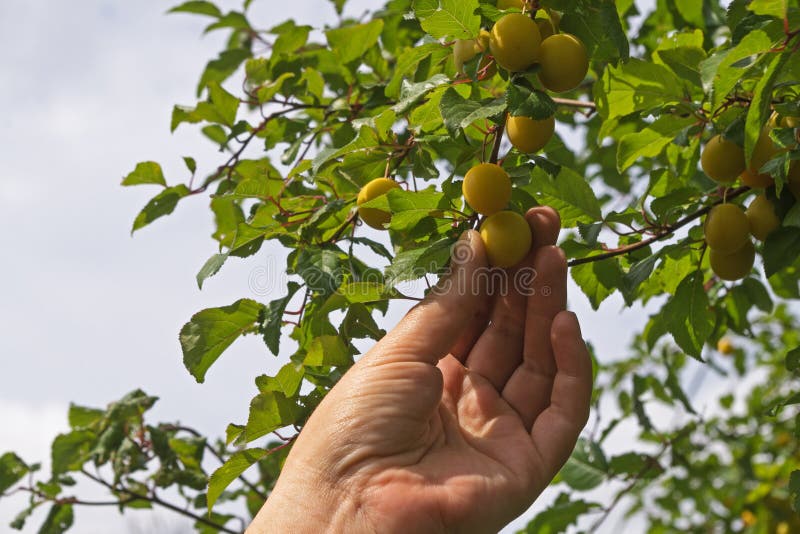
[87,312]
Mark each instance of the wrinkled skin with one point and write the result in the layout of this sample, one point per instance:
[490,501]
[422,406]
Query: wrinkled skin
[456,421]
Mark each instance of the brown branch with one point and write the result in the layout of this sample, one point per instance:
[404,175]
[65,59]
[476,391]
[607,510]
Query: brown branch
[158,501]
[664,233]
[498,139]
[575,103]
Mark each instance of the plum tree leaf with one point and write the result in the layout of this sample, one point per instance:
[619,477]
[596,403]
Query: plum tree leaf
[211,331]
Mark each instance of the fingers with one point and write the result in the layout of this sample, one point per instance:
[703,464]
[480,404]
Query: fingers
[557,428]
[498,351]
[431,329]
[528,389]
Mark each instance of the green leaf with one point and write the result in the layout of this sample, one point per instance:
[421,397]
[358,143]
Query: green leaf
[160,205]
[269,411]
[328,351]
[563,513]
[689,317]
[58,520]
[273,318]
[352,42]
[321,269]
[598,279]
[220,69]
[211,267]
[759,109]
[360,292]
[723,70]
[793,360]
[769,8]
[636,85]
[415,263]
[586,468]
[225,103]
[12,469]
[651,141]
[459,112]
[598,25]
[526,101]
[287,381]
[568,192]
[81,417]
[452,19]
[211,331]
[411,93]
[237,464]
[794,489]
[70,451]
[146,172]
[781,249]
[198,7]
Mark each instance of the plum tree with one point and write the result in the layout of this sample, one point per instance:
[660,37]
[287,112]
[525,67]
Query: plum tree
[375,217]
[762,217]
[529,135]
[727,228]
[515,42]
[487,188]
[722,160]
[563,62]
[734,265]
[507,236]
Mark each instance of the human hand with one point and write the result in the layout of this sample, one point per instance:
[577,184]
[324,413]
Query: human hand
[455,421]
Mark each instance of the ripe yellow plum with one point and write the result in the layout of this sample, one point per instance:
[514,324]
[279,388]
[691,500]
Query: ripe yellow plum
[375,217]
[530,135]
[487,188]
[507,237]
[724,346]
[764,151]
[564,62]
[463,51]
[735,265]
[515,42]
[727,228]
[762,217]
[466,49]
[722,160]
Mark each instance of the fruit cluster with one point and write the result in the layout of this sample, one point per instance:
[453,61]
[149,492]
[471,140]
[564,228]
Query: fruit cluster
[728,228]
[528,40]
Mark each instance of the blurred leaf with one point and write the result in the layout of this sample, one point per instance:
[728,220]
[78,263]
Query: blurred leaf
[160,205]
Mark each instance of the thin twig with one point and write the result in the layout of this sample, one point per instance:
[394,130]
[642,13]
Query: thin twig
[664,233]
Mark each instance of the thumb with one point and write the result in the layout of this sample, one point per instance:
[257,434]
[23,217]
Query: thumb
[430,330]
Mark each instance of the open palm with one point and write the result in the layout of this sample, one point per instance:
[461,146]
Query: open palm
[461,416]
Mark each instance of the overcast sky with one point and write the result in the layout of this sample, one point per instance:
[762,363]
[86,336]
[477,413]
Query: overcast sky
[87,312]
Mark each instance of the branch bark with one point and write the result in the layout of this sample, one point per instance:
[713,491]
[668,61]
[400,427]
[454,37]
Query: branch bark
[666,232]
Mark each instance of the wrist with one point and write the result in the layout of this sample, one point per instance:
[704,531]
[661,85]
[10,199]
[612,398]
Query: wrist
[309,507]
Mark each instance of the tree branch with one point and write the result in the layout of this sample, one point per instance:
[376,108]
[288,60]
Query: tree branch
[664,233]
[575,103]
[158,501]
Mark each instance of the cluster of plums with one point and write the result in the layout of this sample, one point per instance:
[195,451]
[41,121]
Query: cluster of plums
[517,42]
[728,228]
